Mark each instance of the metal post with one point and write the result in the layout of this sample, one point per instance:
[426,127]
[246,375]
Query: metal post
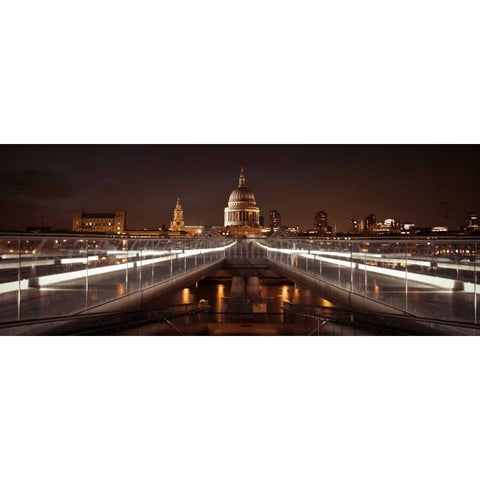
[19,294]
[153,264]
[351,266]
[406,276]
[126,270]
[365,276]
[141,257]
[86,278]
[475,285]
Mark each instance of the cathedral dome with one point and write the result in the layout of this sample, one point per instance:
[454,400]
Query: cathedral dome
[242,207]
[242,195]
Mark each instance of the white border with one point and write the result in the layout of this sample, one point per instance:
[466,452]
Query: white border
[251,72]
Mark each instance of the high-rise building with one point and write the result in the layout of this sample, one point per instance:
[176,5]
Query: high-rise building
[320,223]
[115,223]
[355,226]
[370,223]
[275,219]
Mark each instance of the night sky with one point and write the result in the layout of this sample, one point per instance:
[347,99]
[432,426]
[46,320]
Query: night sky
[43,185]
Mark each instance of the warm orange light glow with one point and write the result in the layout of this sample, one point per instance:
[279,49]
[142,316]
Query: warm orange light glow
[296,295]
[186,297]
[285,294]
[120,289]
[326,303]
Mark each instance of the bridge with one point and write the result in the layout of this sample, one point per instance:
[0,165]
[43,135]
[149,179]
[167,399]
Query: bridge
[45,277]
[387,285]
[421,278]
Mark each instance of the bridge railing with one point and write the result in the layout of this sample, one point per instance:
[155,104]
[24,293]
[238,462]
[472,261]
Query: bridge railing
[435,278]
[46,276]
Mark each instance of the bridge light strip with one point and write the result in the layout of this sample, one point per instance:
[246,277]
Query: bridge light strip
[403,274]
[13,286]
[378,258]
[416,277]
[25,264]
[62,277]
[68,276]
[70,261]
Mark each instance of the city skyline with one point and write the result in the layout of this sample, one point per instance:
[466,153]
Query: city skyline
[44,184]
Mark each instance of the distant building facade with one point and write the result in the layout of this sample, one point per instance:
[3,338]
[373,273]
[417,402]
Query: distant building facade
[112,223]
[471,224]
[320,223]
[369,223]
[275,219]
[177,224]
[354,226]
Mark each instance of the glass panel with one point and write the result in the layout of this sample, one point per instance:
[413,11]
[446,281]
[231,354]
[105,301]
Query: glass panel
[55,271]
[441,280]
[106,270]
[10,279]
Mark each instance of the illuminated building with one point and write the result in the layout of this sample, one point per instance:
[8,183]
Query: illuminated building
[177,224]
[471,223]
[408,229]
[320,223]
[388,226]
[242,210]
[354,226]
[390,222]
[369,223]
[381,228]
[275,219]
[113,223]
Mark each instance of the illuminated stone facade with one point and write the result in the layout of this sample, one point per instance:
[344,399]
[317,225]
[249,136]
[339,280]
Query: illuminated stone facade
[242,210]
[113,223]
[177,224]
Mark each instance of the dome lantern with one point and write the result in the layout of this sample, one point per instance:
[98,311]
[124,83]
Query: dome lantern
[241,180]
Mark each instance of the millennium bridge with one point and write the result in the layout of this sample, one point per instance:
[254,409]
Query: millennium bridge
[70,284]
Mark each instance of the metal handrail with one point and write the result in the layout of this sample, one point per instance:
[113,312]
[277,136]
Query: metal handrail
[389,316]
[90,316]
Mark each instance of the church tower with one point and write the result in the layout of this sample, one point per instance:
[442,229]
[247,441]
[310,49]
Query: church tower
[177,223]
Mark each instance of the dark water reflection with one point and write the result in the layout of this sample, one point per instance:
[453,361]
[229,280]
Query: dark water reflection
[217,294]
